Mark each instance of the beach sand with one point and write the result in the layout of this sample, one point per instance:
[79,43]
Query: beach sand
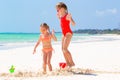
[102,57]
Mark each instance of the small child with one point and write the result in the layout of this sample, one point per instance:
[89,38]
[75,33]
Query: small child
[45,38]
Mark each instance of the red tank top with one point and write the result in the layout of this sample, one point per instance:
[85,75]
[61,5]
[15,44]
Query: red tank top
[65,25]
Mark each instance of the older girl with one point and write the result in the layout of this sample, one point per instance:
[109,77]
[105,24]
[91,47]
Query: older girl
[65,20]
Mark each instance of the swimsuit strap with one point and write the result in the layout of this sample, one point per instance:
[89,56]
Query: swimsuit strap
[45,38]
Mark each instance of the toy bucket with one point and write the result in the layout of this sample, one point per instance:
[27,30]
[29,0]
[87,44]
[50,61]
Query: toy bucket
[62,64]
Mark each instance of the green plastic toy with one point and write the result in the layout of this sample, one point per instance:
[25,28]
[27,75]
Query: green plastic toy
[12,69]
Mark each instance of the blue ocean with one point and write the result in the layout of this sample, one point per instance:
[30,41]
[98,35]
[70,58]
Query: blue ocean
[13,40]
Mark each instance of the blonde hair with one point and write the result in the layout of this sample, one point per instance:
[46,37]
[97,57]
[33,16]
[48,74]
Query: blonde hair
[62,5]
[44,25]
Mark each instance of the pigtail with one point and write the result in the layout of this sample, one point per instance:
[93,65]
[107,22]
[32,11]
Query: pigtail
[48,29]
[67,11]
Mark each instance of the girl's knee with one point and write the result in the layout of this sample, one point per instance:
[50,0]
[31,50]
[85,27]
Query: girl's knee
[49,64]
[65,50]
[44,64]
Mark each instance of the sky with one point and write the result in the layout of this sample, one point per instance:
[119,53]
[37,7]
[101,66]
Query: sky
[27,15]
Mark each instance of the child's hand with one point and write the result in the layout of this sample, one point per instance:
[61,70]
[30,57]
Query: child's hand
[53,35]
[53,32]
[34,51]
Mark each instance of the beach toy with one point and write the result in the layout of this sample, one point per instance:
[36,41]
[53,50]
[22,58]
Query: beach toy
[12,69]
[62,64]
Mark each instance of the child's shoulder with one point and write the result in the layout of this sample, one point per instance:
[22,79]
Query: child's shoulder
[68,14]
[41,36]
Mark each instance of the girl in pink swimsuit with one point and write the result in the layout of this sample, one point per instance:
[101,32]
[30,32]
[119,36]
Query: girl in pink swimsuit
[65,20]
[45,38]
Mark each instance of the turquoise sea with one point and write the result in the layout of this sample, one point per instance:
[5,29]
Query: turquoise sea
[13,40]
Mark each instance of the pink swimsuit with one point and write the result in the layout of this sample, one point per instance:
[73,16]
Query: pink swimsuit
[46,39]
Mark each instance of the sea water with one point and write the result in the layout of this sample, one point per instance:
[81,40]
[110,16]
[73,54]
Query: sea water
[13,40]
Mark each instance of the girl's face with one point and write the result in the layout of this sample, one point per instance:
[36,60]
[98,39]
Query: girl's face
[43,30]
[61,11]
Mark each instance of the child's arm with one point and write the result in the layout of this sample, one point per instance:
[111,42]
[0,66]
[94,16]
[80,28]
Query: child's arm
[69,17]
[39,40]
[53,35]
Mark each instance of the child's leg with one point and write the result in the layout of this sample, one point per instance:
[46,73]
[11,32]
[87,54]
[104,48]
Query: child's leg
[49,55]
[67,54]
[44,62]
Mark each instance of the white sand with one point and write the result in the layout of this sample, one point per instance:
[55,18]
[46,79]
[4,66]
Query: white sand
[73,77]
[96,55]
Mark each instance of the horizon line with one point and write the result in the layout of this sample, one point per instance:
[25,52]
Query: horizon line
[60,31]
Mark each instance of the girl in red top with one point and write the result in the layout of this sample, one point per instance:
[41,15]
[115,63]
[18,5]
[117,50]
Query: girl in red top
[65,20]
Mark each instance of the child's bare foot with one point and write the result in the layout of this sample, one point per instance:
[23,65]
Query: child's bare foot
[72,65]
[44,72]
[50,73]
